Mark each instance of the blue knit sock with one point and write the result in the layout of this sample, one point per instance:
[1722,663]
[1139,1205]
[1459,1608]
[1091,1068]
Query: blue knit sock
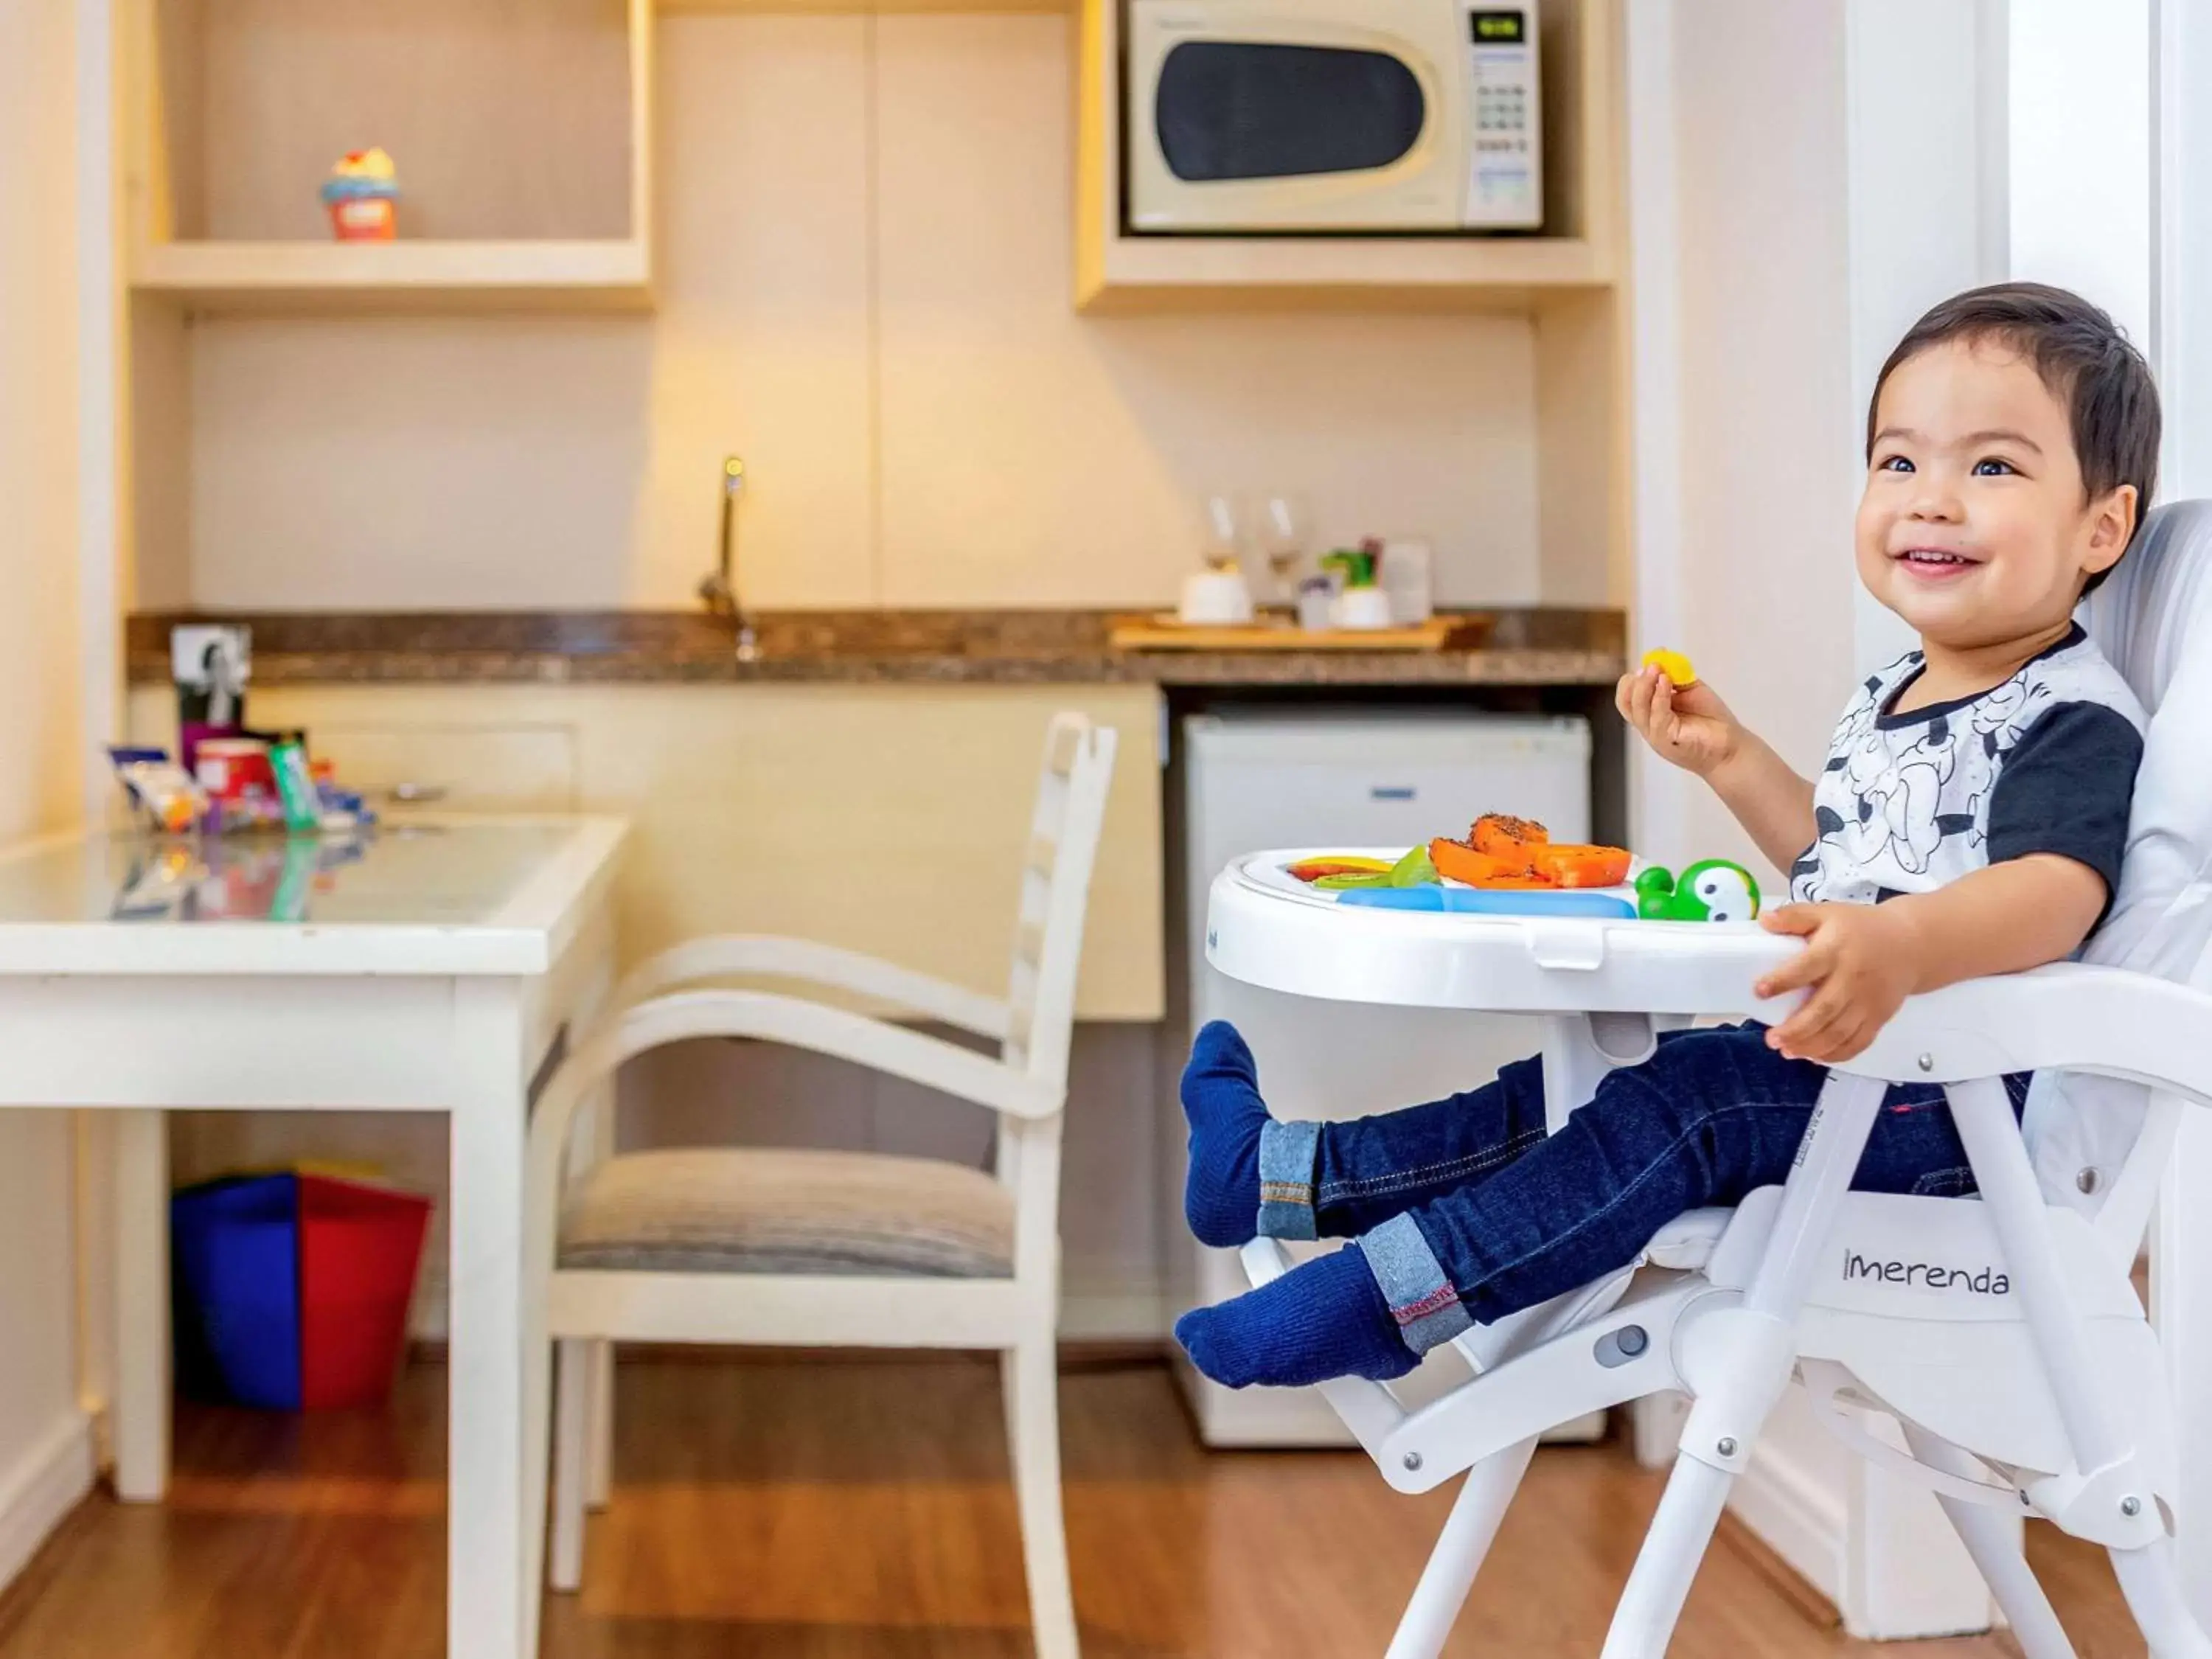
[1327,1318]
[1221,1098]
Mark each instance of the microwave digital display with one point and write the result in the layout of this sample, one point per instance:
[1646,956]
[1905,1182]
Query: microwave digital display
[1497,28]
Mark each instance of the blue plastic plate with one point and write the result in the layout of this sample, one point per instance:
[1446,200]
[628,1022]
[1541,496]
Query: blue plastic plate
[1476,901]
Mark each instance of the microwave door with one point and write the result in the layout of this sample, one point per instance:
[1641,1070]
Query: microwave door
[1242,126]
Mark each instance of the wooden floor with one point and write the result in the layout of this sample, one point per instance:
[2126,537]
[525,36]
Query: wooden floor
[803,1509]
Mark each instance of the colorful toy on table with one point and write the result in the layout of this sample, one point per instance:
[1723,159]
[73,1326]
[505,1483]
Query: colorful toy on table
[1713,890]
[362,193]
[245,782]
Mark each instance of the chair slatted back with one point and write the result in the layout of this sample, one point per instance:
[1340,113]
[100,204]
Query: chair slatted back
[1056,892]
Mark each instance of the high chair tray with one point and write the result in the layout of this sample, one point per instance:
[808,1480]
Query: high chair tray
[1266,927]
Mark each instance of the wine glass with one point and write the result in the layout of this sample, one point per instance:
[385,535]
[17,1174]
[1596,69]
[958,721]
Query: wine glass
[1285,532]
[1227,531]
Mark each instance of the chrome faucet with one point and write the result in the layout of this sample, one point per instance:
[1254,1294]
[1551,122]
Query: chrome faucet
[719,592]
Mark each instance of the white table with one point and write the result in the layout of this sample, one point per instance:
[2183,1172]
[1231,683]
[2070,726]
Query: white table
[432,970]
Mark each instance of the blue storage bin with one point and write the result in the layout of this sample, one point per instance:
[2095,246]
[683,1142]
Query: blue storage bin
[235,1255]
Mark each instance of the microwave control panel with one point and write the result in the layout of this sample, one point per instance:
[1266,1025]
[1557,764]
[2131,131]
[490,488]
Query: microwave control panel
[1505,170]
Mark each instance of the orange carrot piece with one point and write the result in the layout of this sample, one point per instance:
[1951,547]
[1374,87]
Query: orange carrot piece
[1582,866]
[1460,862]
[1506,837]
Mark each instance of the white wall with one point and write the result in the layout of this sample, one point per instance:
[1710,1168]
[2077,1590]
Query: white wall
[45,1448]
[1827,183]
[1766,423]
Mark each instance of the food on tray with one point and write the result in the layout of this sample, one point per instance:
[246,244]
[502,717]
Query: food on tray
[1413,870]
[1713,890]
[1500,853]
[1518,852]
[1674,665]
[1501,837]
[1345,864]
[1583,866]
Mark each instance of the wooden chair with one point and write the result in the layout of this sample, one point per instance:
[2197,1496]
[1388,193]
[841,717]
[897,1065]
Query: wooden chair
[825,1248]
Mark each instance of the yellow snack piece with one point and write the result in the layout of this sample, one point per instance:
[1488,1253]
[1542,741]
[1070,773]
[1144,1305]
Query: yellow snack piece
[1674,665]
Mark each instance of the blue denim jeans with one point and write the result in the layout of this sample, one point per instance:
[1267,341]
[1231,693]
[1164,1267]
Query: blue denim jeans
[1467,1210]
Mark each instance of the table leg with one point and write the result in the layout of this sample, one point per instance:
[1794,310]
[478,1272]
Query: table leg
[140,1403]
[484,1537]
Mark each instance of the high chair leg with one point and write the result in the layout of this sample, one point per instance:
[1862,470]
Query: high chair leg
[1675,1543]
[1989,1539]
[1737,1362]
[1460,1551]
[2153,1588]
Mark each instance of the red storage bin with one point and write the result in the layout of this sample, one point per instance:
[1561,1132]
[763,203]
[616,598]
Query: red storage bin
[360,1247]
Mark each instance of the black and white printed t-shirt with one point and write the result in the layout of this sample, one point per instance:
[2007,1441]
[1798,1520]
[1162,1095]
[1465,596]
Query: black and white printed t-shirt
[2044,762]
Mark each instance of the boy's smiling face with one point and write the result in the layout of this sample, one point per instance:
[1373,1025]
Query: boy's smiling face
[1974,526]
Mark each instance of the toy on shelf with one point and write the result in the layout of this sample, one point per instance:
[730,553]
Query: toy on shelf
[1674,665]
[1713,890]
[362,193]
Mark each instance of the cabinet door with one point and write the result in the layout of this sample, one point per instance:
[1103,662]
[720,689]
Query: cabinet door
[488,768]
[892,819]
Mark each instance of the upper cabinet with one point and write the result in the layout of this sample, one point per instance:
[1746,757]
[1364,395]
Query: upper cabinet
[522,131]
[1572,249]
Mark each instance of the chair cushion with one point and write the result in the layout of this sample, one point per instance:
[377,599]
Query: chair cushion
[748,1210]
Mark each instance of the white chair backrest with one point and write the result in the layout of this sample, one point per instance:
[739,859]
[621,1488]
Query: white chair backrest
[1055,891]
[2153,620]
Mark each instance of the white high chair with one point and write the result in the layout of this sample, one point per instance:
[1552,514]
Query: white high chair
[824,1248]
[2004,1335]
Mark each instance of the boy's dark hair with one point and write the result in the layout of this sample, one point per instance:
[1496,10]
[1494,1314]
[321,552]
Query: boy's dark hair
[2082,356]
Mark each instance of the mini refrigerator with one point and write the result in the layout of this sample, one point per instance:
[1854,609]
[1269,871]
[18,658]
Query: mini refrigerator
[1262,777]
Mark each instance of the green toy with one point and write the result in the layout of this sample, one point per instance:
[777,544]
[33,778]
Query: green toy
[1713,890]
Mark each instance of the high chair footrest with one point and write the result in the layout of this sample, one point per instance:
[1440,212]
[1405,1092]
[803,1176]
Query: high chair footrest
[1370,1410]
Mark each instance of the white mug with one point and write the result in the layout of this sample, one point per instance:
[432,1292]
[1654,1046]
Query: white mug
[1216,598]
[1363,608]
[1405,577]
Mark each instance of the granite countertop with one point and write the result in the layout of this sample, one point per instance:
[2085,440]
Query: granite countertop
[1531,646]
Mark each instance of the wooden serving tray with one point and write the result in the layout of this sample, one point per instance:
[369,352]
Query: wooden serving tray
[1169,633]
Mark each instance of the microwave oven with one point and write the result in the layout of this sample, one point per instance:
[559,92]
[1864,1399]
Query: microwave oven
[1383,116]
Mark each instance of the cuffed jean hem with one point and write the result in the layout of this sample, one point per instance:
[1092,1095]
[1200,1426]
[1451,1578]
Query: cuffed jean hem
[1422,1300]
[1287,1155]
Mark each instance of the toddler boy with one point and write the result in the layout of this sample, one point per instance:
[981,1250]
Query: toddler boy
[1970,819]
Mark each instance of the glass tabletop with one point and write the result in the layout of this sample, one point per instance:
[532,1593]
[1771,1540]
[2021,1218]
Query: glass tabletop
[438,875]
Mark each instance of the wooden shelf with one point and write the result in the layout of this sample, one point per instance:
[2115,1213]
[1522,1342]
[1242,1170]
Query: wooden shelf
[888,7]
[1166,273]
[1116,272]
[524,136]
[364,276]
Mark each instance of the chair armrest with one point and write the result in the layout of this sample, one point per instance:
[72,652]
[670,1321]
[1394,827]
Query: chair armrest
[2063,1018]
[745,955]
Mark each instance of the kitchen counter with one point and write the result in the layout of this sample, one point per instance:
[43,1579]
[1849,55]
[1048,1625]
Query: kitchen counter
[1506,648]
